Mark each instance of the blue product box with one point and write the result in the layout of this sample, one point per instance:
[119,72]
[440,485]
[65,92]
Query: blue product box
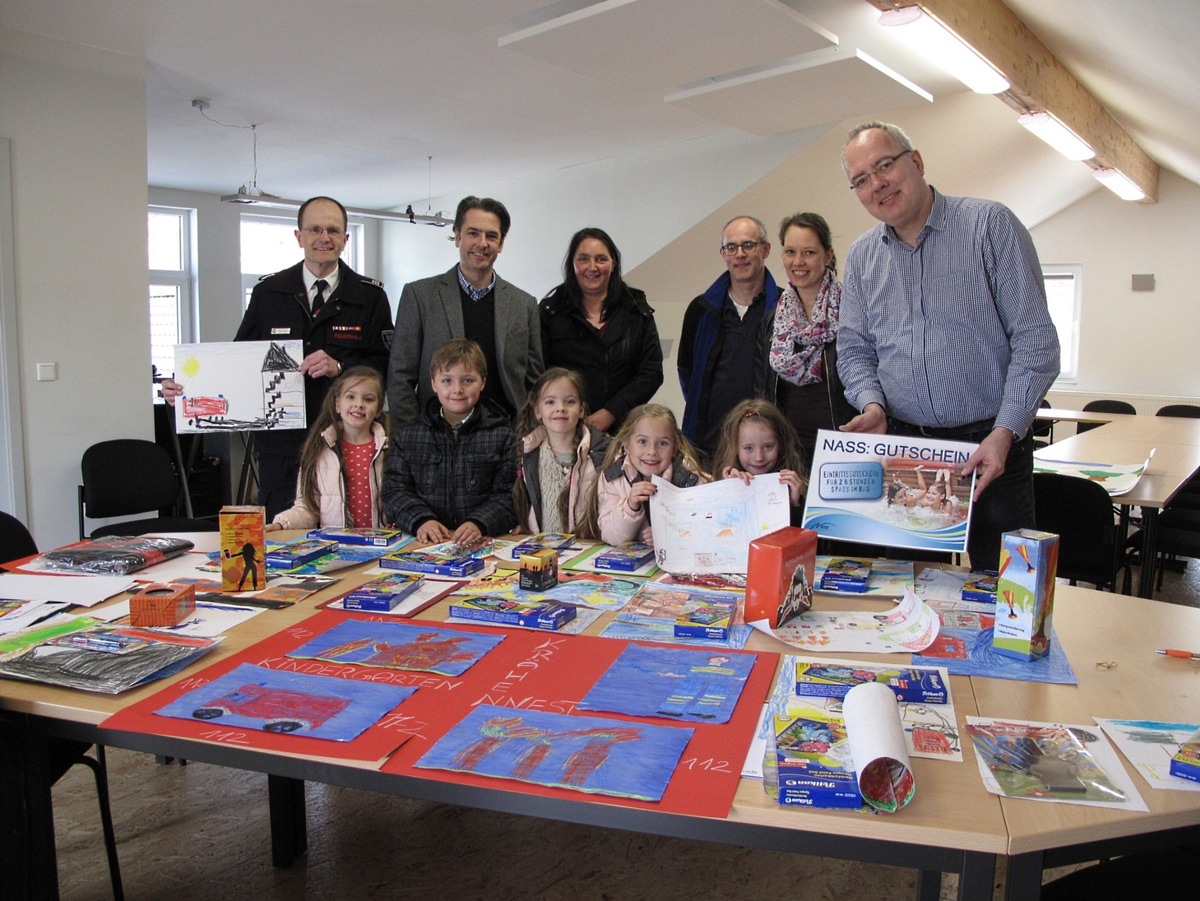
[545,615]
[384,593]
[306,550]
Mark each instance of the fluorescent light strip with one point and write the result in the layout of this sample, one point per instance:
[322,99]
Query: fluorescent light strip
[280,203]
[1119,183]
[944,48]
[1057,135]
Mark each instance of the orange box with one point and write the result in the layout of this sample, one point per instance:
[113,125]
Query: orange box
[162,604]
[779,577]
[243,557]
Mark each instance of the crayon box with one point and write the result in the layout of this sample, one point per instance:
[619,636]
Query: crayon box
[243,557]
[1025,594]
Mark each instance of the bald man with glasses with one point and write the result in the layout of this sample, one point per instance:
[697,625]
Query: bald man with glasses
[944,329]
[721,329]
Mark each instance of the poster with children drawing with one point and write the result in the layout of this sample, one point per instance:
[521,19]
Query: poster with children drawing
[231,386]
[893,490]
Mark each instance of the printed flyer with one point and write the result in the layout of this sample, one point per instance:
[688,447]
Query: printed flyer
[893,490]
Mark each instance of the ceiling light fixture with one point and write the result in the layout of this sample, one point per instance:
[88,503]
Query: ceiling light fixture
[1119,183]
[944,48]
[1057,135]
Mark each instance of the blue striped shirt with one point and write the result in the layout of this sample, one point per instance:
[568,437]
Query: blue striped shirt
[954,330]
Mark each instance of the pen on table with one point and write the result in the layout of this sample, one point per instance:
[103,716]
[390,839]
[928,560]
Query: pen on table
[1174,652]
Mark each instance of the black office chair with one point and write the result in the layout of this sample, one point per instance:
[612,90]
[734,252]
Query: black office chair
[1080,512]
[127,476]
[16,542]
[1180,411]
[1103,406]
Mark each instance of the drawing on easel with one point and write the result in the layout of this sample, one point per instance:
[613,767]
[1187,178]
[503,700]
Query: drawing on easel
[588,754]
[240,385]
[255,697]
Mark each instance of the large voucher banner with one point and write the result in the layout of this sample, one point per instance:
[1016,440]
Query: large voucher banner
[892,490]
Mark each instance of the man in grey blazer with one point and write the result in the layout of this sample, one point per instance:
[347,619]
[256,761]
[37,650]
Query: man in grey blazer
[469,301]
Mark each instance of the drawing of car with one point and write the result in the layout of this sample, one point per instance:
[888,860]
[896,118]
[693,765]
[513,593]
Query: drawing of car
[205,406]
[280,709]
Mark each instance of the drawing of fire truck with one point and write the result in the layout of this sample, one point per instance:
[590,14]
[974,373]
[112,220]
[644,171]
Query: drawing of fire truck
[280,709]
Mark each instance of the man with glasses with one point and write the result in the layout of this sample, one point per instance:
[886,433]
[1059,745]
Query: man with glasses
[720,338]
[343,318]
[468,301]
[944,328]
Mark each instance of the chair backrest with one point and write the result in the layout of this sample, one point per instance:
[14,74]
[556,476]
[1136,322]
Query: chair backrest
[1080,512]
[1043,428]
[127,475]
[1103,406]
[15,540]
[1183,411]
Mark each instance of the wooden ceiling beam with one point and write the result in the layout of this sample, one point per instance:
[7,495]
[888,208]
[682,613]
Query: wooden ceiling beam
[1040,81]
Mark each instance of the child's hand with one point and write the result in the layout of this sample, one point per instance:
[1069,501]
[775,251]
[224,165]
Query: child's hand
[468,535]
[647,537]
[792,479]
[730,472]
[432,531]
[272,527]
[639,496]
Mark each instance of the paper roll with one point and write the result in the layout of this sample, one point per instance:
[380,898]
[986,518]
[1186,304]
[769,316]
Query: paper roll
[877,746]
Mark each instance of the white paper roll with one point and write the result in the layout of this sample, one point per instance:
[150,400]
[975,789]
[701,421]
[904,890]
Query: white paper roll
[876,739]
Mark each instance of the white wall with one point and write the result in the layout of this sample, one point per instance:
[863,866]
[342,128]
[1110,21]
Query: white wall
[76,118]
[1134,342]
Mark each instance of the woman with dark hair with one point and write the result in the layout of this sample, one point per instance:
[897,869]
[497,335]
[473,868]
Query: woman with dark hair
[603,329]
[801,353]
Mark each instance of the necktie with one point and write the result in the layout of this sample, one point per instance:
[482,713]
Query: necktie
[319,298]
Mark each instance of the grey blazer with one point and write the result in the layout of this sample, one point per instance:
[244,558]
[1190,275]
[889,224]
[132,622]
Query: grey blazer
[430,314]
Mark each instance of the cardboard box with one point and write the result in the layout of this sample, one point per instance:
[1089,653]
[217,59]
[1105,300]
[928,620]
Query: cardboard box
[162,604]
[297,553]
[539,570]
[706,621]
[1025,594]
[625,558]
[781,574]
[243,561]
[1186,762]
[833,680]
[384,593]
[981,586]
[544,615]
[813,761]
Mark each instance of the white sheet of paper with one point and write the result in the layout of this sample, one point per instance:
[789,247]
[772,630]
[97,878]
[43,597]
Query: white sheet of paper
[238,385]
[708,528]
[84,591]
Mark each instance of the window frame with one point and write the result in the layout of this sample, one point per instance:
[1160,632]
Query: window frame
[184,280]
[1069,362]
[354,253]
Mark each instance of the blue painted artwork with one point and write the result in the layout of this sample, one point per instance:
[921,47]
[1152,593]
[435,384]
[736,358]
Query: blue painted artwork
[673,683]
[968,652]
[588,754]
[254,697]
[402,646]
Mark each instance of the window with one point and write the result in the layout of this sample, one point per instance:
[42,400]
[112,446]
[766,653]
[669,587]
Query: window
[269,244]
[1064,291]
[172,311]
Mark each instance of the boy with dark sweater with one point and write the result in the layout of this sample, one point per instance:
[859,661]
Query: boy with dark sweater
[450,476]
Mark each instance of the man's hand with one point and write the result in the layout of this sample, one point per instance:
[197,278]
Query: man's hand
[988,460]
[318,364]
[872,419]
[169,389]
[601,420]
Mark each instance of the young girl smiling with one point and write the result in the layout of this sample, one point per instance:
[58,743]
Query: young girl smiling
[558,457]
[649,444]
[341,464]
[756,439]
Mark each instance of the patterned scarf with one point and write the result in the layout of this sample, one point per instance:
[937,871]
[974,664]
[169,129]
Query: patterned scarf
[796,344]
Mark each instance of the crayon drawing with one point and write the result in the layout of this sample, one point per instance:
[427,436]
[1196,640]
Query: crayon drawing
[403,646]
[674,683]
[588,754]
[240,385]
[254,697]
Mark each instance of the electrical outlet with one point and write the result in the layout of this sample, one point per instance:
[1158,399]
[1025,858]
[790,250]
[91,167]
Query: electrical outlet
[47,372]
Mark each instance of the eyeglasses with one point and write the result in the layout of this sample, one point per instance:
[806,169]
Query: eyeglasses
[882,168]
[315,231]
[745,246]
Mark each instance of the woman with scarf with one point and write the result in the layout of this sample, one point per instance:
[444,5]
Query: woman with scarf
[801,351]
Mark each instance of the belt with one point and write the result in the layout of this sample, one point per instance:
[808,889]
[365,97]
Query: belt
[973,431]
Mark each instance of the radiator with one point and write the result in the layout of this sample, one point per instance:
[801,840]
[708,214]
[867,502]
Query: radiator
[1145,404]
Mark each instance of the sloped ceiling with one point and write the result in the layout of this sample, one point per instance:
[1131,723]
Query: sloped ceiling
[354,99]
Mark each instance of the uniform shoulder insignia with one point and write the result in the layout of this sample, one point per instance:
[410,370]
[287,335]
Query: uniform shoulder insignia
[263,278]
[372,281]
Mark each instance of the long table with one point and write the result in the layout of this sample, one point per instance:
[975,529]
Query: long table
[1129,440]
[952,826]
